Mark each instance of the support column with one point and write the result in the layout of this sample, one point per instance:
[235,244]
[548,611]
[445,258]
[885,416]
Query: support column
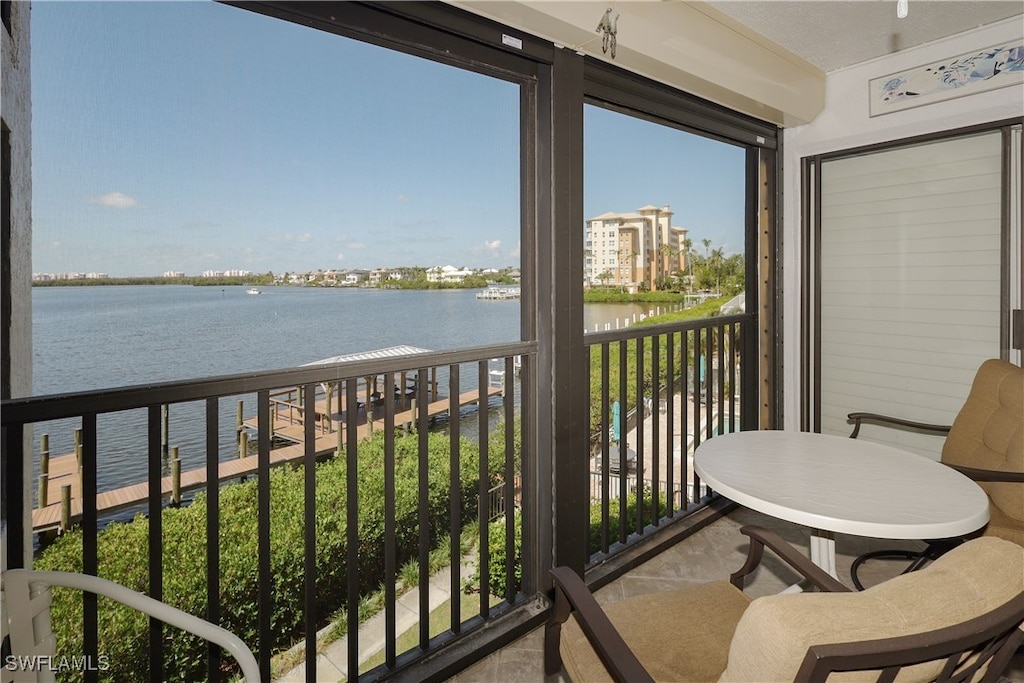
[560,309]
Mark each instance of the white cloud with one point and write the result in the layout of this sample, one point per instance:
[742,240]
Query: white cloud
[350,243]
[402,199]
[340,257]
[115,200]
[289,237]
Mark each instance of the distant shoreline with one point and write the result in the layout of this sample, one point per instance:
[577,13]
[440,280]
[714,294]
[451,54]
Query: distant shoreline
[120,281]
[248,281]
[592,296]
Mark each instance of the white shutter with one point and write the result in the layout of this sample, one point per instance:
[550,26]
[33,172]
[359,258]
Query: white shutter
[910,282]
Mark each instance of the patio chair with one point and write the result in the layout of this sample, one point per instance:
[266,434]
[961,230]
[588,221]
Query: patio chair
[25,621]
[986,443]
[959,619]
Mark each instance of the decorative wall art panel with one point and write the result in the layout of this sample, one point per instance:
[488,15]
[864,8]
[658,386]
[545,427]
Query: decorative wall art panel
[973,72]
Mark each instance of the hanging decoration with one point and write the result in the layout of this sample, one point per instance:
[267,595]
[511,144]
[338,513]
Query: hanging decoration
[607,27]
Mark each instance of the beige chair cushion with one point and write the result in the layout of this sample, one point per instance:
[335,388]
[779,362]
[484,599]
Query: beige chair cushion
[989,433]
[775,632]
[1002,525]
[680,635]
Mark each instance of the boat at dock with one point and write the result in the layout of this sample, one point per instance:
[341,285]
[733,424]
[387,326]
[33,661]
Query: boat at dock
[495,293]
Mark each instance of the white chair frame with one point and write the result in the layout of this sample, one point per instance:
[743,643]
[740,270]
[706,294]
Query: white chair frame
[25,619]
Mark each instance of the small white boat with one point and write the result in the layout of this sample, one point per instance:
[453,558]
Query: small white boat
[253,290]
[494,293]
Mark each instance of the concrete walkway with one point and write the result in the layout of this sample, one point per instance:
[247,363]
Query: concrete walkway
[332,661]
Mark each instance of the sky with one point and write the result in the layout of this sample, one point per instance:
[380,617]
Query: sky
[192,136]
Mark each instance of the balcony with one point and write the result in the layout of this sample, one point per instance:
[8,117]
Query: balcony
[336,495]
[596,464]
[710,554]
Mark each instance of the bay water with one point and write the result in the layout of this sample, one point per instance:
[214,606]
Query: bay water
[88,338]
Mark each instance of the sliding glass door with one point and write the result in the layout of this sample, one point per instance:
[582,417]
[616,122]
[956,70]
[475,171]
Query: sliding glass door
[913,279]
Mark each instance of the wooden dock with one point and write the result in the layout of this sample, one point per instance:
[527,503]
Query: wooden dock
[63,470]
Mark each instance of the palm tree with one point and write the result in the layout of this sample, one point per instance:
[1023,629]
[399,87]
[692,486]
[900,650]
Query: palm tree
[718,256]
[688,247]
[667,253]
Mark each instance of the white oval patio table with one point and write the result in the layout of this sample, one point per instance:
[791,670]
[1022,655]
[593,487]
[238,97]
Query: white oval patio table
[835,484]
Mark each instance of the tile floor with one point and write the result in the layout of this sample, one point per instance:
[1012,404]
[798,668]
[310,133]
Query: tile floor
[710,554]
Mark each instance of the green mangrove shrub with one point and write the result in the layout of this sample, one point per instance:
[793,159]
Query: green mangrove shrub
[123,554]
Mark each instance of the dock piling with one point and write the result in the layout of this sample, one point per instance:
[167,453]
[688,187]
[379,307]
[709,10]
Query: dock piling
[328,395]
[165,430]
[175,478]
[44,469]
[65,508]
[239,420]
[78,448]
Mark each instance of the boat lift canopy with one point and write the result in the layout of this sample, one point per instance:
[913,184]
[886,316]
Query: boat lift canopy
[390,352]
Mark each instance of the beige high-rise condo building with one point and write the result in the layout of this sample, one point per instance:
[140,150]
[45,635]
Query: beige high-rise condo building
[629,250]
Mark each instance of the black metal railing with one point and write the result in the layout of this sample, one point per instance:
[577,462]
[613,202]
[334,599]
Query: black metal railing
[656,393]
[477,471]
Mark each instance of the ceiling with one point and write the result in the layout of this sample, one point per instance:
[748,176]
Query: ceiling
[765,58]
[832,34]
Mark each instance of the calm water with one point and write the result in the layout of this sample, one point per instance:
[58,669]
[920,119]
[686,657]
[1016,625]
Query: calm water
[100,337]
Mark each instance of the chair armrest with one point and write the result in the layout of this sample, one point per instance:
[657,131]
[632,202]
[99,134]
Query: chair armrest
[147,605]
[571,594]
[978,474]
[759,538]
[893,422]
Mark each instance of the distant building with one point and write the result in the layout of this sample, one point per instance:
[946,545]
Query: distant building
[449,274]
[227,273]
[174,273]
[354,277]
[631,249]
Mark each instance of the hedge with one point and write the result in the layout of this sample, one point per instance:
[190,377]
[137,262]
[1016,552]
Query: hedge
[497,577]
[123,554]
[707,309]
